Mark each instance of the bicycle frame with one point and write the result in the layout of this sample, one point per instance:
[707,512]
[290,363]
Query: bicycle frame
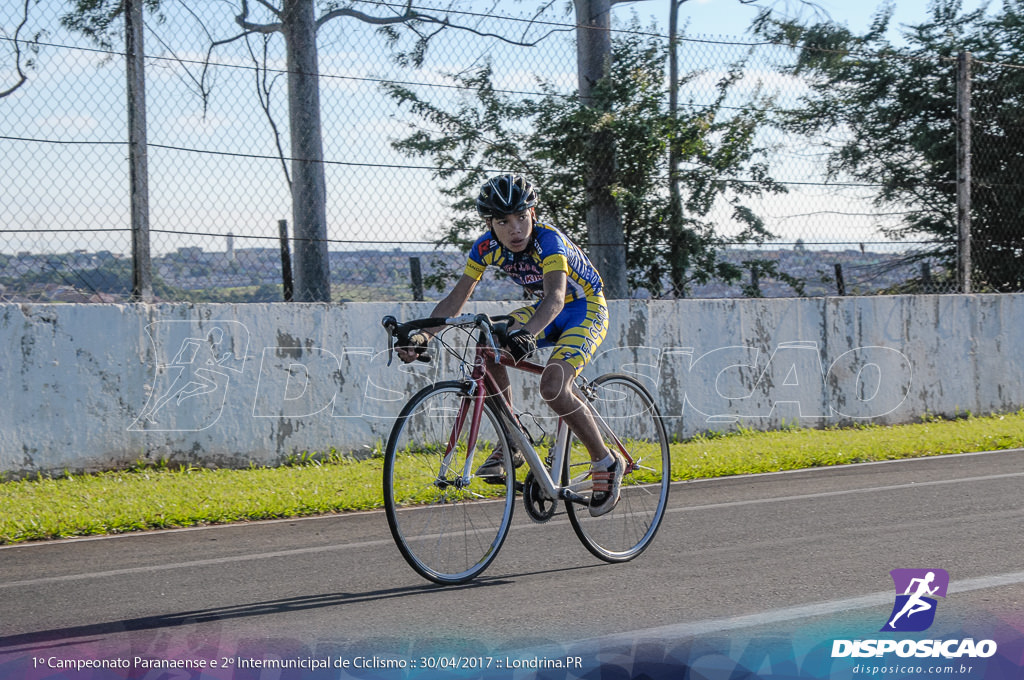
[484,386]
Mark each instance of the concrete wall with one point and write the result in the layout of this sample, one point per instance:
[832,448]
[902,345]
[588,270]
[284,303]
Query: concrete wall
[90,387]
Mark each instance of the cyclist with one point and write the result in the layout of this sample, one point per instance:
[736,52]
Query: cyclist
[571,316]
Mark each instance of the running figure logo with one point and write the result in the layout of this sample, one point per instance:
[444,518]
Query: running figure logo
[194,364]
[916,590]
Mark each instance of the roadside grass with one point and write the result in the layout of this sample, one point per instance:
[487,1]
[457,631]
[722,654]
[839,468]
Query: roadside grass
[158,497]
[795,448]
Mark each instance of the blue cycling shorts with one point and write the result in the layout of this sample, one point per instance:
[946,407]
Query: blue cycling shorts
[576,332]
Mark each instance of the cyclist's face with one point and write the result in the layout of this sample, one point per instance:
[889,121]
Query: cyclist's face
[513,230]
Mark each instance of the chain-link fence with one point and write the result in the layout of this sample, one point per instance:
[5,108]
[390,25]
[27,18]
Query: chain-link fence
[761,213]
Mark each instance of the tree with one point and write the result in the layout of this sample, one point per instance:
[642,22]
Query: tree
[297,21]
[298,26]
[548,138]
[887,116]
[593,57]
[604,220]
[684,242]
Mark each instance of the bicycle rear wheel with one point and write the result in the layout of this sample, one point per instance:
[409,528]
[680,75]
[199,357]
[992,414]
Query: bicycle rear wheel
[630,412]
[447,522]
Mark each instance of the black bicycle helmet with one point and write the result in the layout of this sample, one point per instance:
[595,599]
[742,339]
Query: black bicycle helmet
[505,195]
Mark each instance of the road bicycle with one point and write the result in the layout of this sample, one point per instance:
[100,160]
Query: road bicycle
[448,522]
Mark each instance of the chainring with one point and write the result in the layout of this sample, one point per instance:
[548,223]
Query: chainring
[539,507]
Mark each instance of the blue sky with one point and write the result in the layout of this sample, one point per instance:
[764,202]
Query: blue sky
[730,17]
[76,96]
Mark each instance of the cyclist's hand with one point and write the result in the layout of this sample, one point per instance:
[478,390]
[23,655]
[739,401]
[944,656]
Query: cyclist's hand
[520,344]
[416,346]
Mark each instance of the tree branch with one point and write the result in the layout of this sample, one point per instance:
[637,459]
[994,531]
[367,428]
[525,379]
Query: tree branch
[264,86]
[406,16]
[248,28]
[536,15]
[242,20]
[22,76]
[204,91]
[410,16]
[271,8]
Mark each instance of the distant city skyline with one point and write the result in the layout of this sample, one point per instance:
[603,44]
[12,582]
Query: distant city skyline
[385,274]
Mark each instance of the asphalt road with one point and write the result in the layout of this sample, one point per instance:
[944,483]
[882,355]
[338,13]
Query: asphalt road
[803,555]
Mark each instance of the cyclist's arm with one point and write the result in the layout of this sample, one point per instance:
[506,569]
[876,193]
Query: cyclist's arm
[449,306]
[555,283]
[457,297]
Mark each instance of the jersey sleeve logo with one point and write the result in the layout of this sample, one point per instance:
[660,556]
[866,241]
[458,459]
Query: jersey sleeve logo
[486,247]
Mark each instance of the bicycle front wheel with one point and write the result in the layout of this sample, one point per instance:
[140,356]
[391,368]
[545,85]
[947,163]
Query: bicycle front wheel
[629,411]
[447,522]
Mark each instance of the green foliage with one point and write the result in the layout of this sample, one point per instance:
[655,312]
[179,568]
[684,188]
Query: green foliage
[791,448]
[101,20]
[887,115]
[159,494]
[110,276]
[550,138]
[759,267]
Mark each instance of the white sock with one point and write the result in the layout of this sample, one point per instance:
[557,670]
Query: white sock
[604,463]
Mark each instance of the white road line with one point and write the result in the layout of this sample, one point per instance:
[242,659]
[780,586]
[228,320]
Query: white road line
[680,631]
[846,492]
[708,480]
[379,542]
[170,566]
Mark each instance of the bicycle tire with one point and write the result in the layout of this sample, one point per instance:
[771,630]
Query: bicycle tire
[448,531]
[625,532]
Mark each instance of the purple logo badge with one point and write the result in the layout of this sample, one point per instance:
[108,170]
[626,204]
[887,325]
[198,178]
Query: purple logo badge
[916,590]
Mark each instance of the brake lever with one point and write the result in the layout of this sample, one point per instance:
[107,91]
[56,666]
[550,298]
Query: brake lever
[390,323]
[489,330]
[499,335]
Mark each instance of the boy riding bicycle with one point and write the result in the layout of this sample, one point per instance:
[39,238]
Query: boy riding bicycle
[571,316]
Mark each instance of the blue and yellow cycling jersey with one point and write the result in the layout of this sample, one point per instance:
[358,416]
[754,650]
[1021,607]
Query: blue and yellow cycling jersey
[551,251]
[582,323]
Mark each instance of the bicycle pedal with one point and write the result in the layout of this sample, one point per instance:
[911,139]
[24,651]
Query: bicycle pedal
[572,496]
[496,480]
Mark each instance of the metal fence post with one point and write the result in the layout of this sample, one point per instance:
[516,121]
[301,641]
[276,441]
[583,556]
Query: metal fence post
[287,287]
[840,282]
[135,67]
[416,274]
[963,171]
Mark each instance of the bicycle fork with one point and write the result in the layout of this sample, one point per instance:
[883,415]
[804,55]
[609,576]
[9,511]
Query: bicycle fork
[471,410]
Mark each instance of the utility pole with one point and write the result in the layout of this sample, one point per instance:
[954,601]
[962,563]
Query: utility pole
[963,171]
[135,60]
[604,223]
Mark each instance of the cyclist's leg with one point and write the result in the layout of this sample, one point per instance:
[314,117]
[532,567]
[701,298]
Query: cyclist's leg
[500,375]
[576,334]
[556,391]
[607,466]
[493,469]
[580,329]
[630,412]
[499,372]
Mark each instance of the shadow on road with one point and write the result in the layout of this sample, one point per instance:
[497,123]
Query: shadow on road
[77,634]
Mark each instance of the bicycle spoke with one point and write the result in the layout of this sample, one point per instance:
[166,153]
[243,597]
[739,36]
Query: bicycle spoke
[448,529]
[628,410]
